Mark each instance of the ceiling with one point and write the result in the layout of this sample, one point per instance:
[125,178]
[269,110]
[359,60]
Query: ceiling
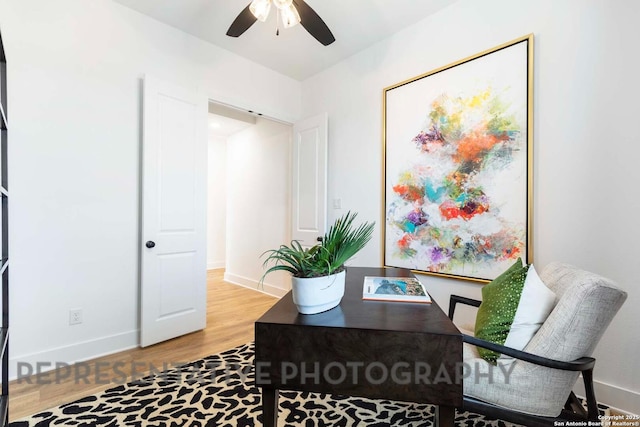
[356,25]
[224,127]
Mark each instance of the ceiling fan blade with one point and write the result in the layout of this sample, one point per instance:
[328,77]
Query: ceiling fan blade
[242,23]
[312,22]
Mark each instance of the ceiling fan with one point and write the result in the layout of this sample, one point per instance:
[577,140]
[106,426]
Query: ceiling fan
[291,12]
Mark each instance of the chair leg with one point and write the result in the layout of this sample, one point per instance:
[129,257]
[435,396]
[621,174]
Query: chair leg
[592,404]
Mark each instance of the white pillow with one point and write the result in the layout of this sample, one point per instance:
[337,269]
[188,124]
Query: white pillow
[536,302]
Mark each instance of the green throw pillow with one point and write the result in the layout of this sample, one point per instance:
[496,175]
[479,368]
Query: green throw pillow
[500,300]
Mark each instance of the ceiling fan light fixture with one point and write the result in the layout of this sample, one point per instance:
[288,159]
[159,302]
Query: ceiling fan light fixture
[290,16]
[290,10]
[260,9]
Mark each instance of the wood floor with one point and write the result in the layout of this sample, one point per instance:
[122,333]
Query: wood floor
[231,312]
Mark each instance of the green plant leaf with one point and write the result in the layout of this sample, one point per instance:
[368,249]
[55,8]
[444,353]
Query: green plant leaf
[341,242]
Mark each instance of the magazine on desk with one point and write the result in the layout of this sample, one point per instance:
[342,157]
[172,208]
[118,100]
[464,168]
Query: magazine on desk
[398,289]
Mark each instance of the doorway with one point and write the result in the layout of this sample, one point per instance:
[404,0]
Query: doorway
[249,193]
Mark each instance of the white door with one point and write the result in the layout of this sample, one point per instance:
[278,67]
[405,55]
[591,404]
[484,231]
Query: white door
[309,199]
[174,186]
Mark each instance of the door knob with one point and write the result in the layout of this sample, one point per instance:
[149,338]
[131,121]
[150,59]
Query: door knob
[150,244]
[319,239]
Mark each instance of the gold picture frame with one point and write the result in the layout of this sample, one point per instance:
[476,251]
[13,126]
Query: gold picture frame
[457,166]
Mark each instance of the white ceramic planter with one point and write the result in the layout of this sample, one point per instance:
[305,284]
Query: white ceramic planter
[318,294]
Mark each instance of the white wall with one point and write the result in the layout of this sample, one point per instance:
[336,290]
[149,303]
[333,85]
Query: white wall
[74,70]
[217,202]
[74,111]
[258,200]
[586,147]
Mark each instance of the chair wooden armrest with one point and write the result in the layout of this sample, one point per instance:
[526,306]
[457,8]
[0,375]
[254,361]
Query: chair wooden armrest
[463,300]
[581,364]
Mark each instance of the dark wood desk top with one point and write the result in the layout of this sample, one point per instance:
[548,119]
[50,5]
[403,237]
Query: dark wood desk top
[356,313]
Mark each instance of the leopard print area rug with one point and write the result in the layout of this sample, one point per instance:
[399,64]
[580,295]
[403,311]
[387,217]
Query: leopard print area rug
[220,391]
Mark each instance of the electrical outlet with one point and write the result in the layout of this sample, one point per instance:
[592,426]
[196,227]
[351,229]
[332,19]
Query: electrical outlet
[75,317]
[337,204]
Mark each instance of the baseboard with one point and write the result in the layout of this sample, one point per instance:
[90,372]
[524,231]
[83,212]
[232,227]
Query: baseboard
[73,353]
[255,285]
[620,400]
[214,265]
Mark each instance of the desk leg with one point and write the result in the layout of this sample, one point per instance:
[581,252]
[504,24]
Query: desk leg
[445,416]
[269,407]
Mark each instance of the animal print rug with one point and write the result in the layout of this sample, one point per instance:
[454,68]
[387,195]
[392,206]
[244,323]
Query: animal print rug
[220,391]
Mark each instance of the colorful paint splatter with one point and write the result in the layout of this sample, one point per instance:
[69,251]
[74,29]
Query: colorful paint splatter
[444,214]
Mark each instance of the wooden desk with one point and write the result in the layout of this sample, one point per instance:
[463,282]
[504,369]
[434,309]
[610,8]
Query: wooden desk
[382,350]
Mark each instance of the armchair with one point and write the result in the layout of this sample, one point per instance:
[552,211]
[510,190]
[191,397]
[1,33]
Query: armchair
[536,388]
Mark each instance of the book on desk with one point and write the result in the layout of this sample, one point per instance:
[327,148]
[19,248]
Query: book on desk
[394,289]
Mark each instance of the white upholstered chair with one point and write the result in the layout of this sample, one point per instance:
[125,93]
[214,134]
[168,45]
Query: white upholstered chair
[536,388]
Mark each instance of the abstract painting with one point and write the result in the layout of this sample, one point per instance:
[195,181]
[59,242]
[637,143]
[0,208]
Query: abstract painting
[457,166]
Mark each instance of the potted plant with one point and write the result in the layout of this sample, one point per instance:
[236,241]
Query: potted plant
[318,272]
